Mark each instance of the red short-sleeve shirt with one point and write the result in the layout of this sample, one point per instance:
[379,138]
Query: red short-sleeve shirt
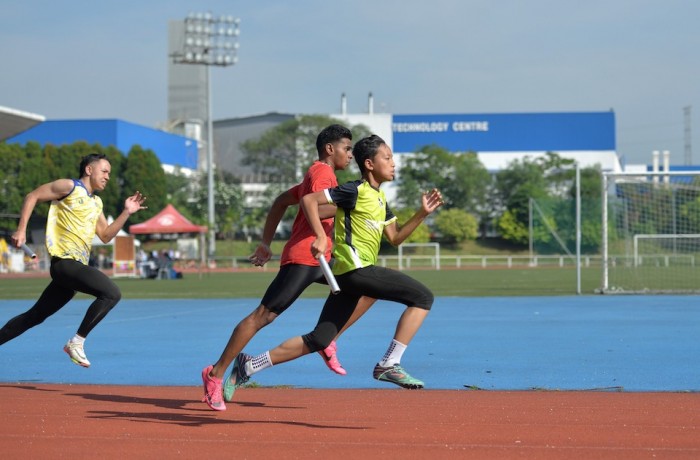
[320,176]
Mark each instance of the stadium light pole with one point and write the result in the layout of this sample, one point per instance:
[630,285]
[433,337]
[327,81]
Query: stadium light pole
[209,40]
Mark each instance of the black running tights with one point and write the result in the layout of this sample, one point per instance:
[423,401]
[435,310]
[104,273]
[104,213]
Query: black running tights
[67,277]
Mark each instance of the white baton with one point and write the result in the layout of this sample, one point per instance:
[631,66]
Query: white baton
[329,275]
[28,251]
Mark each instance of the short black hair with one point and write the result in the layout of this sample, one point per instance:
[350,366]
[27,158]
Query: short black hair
[88,160]
[331,134]
[366,148]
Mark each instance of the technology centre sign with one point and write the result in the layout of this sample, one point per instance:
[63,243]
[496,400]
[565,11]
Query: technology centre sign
[513,132]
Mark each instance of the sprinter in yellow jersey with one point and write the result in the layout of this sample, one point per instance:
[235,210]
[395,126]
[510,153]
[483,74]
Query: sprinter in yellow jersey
[75,217]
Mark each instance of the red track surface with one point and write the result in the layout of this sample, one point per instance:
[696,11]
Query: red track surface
[86,421]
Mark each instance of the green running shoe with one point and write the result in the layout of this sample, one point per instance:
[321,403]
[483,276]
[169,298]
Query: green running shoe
[397,375]
[237,377]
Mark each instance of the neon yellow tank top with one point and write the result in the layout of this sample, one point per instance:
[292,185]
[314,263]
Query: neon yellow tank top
[71,224]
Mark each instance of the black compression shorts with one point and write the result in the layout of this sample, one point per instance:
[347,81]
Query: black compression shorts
[377,282]
[290,282]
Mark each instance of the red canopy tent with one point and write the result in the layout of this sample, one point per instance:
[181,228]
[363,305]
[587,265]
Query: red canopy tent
[169,220]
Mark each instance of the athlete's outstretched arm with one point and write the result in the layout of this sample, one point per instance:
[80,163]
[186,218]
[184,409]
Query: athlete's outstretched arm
[263,253]
[106,232]
[430,201]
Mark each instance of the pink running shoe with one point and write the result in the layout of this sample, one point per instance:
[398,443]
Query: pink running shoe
[330,357]
[212,390]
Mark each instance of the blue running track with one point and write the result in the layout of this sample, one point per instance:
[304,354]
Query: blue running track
[631,343]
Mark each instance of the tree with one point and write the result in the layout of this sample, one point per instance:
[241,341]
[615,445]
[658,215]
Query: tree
[516,185]
[285,151]
[456,225]
[31,173]
[228,204]
[511,229]
[115,193]
[32,165]
[461,178]
[561,213]
[11,196]
[690,213]
[179,189]
[550,182]
[143,172]
[274,153]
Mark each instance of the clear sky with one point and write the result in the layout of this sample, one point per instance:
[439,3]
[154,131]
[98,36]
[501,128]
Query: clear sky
[108,59]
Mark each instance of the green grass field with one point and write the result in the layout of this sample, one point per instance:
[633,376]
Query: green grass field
[451,282]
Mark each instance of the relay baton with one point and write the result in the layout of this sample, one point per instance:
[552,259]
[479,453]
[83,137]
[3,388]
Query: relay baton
[329,275]
[28,251]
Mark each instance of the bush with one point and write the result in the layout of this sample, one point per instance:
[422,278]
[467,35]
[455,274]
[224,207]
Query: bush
[456,225]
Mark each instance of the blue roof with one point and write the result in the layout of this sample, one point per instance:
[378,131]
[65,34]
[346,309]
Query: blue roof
[172,149]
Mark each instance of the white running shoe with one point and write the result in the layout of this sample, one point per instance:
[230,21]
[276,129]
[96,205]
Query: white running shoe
[76,353]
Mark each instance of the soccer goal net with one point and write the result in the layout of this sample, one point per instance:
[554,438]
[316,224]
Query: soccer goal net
[419,255]
[651,233]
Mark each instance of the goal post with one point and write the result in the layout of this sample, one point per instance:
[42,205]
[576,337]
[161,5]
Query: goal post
[651,232]
[412,256]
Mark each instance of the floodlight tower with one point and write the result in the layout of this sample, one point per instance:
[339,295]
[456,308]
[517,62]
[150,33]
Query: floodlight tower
[209,40]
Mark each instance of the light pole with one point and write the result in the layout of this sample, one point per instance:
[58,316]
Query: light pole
[209,40]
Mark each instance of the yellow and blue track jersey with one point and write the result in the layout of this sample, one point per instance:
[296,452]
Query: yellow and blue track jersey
[71,224]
